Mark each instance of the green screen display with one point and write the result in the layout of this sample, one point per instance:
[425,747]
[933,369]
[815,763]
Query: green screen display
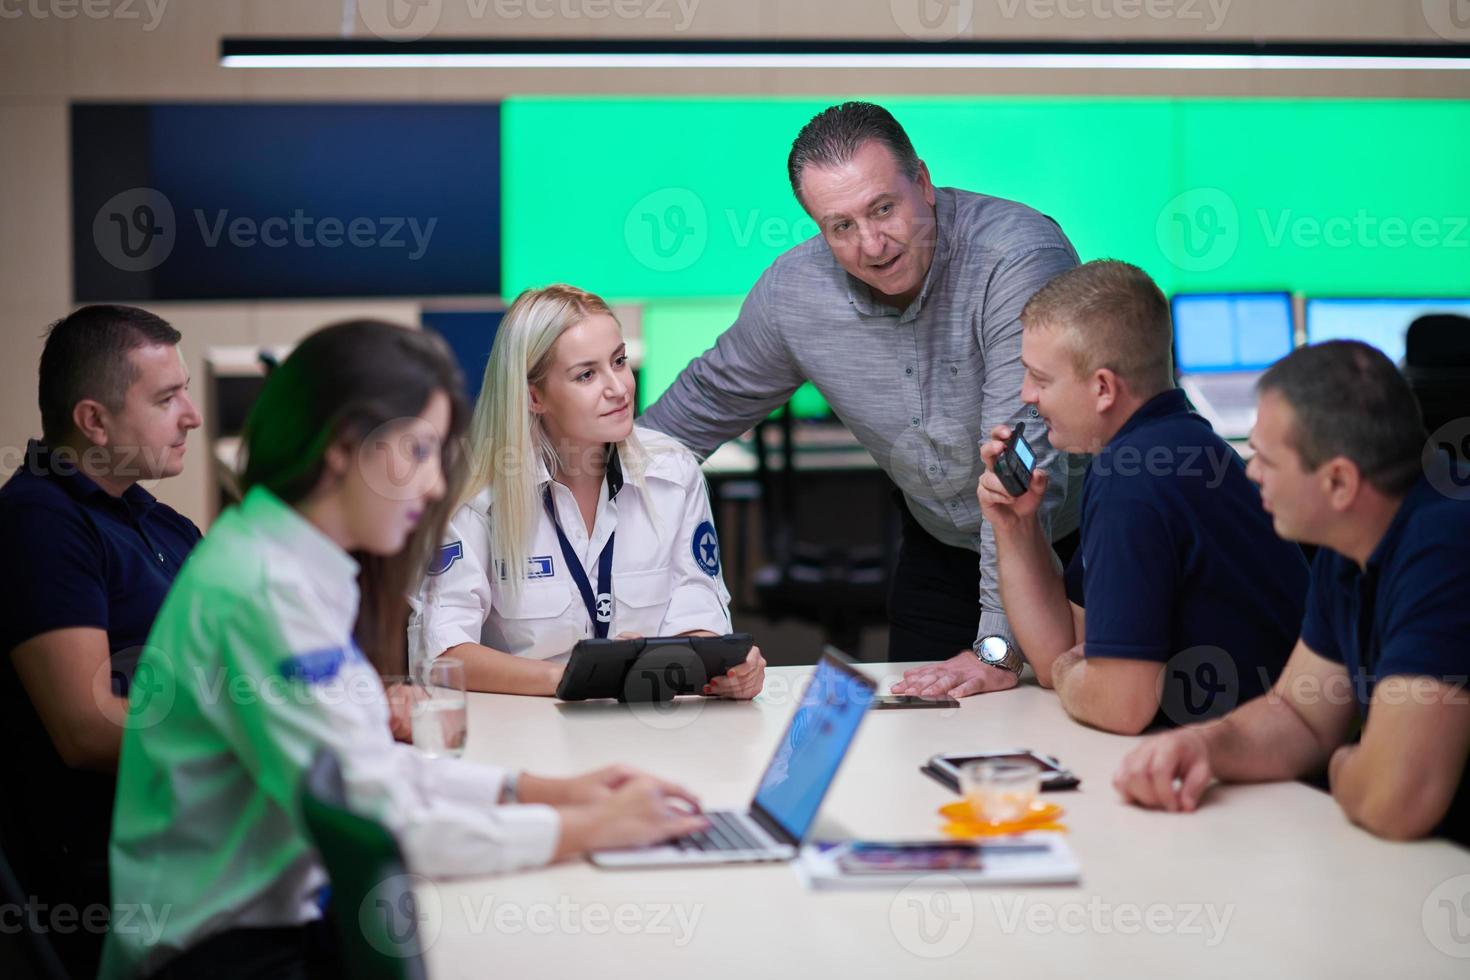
[682,203]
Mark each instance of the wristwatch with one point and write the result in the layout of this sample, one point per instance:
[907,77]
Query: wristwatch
[997,651]
[508,789]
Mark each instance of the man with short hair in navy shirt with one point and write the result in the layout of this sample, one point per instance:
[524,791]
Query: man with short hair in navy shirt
[86,556]
[1342,462]
[1181,601]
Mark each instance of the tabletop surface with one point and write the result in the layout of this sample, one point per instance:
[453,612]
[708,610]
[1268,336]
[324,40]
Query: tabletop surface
[1264,880]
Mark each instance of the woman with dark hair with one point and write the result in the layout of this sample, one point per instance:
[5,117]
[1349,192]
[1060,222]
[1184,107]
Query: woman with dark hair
[270,645]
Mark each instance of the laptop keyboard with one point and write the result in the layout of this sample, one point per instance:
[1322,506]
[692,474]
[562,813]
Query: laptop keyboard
[724,833]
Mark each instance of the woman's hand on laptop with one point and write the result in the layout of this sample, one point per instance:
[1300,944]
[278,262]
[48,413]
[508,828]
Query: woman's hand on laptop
[596,786]
[640,812]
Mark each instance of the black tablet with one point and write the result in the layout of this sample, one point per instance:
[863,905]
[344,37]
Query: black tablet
[655,668]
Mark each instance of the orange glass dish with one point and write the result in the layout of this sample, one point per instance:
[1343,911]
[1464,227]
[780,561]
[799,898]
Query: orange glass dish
[963,821]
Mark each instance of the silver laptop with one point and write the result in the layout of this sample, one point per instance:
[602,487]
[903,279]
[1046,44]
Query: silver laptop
[785,806]
[1222,344]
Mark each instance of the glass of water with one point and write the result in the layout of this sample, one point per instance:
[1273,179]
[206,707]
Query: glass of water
[440,721]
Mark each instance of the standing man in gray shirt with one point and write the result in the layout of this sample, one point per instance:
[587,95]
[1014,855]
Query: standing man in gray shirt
[905,315]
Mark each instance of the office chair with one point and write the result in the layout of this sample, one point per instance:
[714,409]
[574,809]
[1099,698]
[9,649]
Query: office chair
[35,947]
[839,588]
[373,911]
[1437,366]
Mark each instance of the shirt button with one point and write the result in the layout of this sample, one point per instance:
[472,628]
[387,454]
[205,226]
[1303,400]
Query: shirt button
[933,469]
[908,370]
[913,421]
[954,370]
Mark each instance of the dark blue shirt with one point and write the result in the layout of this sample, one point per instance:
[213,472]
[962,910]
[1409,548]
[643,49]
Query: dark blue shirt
[1407,613]
[72,555]
[1179,564]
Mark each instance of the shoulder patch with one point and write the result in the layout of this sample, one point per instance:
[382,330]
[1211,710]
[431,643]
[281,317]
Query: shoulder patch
[706,548]
[445,557]
[314,667]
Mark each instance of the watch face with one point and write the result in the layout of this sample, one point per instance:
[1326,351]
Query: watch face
[993,649]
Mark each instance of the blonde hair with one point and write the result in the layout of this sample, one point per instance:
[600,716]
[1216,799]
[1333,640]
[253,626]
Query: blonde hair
[1113,316]
[507,439]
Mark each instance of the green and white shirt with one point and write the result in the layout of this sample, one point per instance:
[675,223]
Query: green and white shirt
[250,668]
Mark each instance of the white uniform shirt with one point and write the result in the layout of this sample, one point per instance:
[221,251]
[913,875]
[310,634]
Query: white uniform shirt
[250,667]
[665,572]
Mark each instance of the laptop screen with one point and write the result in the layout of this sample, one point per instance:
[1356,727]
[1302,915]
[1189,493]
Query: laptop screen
[1231,331]
[1383,323]
[812,748]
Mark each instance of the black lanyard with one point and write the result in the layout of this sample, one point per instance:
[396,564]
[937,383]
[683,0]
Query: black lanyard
[599,606]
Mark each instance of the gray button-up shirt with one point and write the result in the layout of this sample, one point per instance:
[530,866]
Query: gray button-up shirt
[919,387]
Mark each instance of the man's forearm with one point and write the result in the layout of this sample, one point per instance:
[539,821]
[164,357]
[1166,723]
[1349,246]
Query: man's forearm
[1117,696]
[1034,597]
[1264,740]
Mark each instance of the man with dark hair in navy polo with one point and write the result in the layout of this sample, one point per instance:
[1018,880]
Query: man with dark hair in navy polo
[1342,463]
[1181,601]
[86,556]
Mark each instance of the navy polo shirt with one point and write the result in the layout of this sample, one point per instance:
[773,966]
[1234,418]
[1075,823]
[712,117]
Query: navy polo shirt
[1179,564]
[73,555]
[1407,613]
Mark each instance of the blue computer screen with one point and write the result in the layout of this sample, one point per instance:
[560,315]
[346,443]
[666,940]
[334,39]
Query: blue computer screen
[1384,323]
[1231,331]
[216,200]
[812,748]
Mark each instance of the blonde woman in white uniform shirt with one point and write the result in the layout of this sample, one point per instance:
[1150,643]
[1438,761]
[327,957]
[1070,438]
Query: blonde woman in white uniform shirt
[576,524]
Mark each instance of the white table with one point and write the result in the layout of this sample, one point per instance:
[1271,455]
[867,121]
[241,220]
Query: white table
[1263,881]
